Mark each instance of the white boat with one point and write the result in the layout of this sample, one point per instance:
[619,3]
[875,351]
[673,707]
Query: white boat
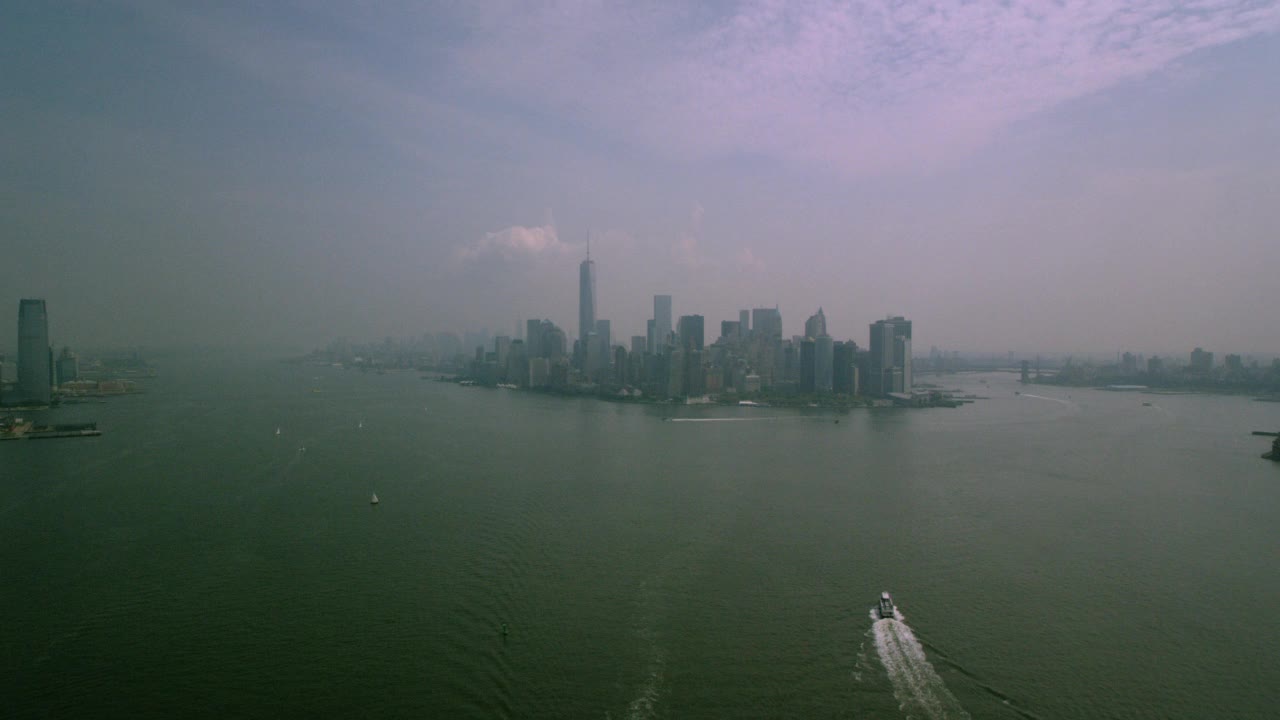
[886,609]
[277,431]
[360,424]
[374,500]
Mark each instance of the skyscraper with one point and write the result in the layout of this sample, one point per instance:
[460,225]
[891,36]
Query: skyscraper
[890,360]
[744,322]
[586,297]
[661,323]
[692,332]
[824,359]
[816,325]
[35,380]
[766,322]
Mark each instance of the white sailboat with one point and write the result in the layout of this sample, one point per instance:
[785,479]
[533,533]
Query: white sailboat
[374,500]
[277,432]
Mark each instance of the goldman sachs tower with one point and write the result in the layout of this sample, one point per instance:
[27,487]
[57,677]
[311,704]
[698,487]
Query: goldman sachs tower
[586,297]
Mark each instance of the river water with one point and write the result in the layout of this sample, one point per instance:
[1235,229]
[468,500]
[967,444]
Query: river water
[1059,553]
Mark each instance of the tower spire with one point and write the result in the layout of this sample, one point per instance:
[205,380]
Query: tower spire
[588,245]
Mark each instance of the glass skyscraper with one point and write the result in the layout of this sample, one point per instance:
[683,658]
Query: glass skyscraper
[35,379]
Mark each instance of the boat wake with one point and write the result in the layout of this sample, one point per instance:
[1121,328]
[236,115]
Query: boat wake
[1043,397]
[916,685]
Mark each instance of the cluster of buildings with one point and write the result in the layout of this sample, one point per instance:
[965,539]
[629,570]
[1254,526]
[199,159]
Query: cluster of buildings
[39,375]
[38,370]
[677,358]
[1196,370]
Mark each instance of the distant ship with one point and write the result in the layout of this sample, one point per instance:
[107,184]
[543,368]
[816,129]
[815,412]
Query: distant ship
[885,609]
[374,500]
[277,431]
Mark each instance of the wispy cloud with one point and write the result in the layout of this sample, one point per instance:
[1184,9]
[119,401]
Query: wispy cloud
[863,87]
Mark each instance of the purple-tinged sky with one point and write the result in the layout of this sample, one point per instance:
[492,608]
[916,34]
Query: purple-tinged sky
[1026,176]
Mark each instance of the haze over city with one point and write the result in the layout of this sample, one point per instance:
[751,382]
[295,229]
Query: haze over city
[1028,178]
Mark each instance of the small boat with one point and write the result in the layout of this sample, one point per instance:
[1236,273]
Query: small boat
[360,424]
[1146,404]
[277,431]
[374,500]
[885,609]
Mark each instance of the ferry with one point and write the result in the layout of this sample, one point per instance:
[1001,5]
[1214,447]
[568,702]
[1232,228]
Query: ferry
[885,609]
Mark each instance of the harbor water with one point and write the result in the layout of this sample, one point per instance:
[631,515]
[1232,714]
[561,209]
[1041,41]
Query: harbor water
[1054,553]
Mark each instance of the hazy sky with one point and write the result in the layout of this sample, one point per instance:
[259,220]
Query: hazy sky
[1030,176]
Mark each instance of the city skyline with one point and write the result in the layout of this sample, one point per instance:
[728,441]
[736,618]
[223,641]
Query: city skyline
[1069,180]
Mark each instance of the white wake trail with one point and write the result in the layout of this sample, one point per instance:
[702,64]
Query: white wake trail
[916,685]
[1042,397]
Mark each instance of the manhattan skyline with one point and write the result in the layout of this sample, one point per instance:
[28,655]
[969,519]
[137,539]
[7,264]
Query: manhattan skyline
[1032,179]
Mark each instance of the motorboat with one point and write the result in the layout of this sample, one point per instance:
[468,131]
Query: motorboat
[885,609]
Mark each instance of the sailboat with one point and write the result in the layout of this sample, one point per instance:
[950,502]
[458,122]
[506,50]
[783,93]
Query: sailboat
[277,431]
[374,500]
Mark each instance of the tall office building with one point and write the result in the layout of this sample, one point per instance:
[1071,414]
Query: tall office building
[824,359]
[661,323]
[35,378]
[843,373]
[816,325]
[808,365]
[586,297]
[605,330]
[766,322]
[533,338]
[691,331]
[890,356]
[744,322]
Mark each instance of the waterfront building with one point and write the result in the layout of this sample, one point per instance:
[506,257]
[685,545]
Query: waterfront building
[808,366]
[1201,361]
[890,356]
[902,361]
[651,342]
[539,372]
[843,372]
[675,373]
[586,297]
[35,376]
[823,360]
[68,367]
[661,323]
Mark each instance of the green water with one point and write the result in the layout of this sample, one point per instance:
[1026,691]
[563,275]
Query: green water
[1074,555]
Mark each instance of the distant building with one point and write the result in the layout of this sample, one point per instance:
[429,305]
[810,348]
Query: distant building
[691,332]
[767,322]
[816,325]
[808,366]
[730,330]
[68,367]
[661,323]
[586,297]
[889,361]
[1201,361]
[35,375]
[744,322]
[639,346]
[501,346]
[824,351]
[843,373]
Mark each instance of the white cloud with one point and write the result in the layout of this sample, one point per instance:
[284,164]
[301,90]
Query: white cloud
[515,244]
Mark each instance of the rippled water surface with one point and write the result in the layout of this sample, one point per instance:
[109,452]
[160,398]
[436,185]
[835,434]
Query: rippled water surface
[1062,553]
